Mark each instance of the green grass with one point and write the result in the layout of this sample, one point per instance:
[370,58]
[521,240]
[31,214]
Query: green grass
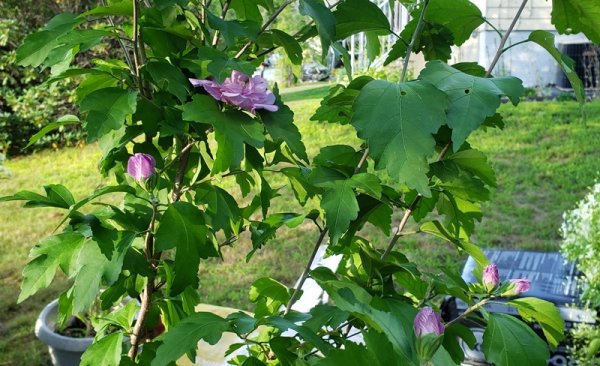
[545,158]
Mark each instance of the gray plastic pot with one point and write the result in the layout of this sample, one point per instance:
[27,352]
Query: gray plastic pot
[64,351]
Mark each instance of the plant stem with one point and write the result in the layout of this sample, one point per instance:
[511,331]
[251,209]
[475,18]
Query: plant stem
[410,210]
[306,271]
[215,40]
[468,311]
[515,44]
[415,36]
[168,165]
[505,38]
[148,289]
[493,26]
[264,27]
[136,56]
[183,161]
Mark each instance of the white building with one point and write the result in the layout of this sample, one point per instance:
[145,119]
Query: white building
[528,61]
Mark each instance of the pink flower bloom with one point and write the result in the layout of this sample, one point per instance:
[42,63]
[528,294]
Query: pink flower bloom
[141,166]
[427,322]
[241,91]
[490,277]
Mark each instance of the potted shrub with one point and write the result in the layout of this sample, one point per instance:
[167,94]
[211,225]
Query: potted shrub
[183,124]
[65,347]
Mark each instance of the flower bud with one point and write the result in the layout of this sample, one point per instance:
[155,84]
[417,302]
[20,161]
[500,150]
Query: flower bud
[490,277]
[429,331]
[141,166]
[517,287]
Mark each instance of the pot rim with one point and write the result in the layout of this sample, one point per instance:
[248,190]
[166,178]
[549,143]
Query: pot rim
[44,330]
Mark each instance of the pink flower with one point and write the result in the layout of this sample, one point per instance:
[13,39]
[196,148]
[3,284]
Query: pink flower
[241,91]
[517,287]
[427,322]
[490,277]
[141,166]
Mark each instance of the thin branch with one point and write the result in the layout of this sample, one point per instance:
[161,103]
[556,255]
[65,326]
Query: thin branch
[467,312]
[265,26]
[183,151]
[183,161]
[148,290]
[415,36]
[136,56]
[505,38]
[306,271]
[215,40]
[409,211]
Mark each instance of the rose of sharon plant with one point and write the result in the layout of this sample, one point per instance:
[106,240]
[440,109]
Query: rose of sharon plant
[194,147]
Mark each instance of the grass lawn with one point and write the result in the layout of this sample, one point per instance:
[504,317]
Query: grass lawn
[545,158]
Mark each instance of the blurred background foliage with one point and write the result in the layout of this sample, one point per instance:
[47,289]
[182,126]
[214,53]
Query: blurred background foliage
[26,103]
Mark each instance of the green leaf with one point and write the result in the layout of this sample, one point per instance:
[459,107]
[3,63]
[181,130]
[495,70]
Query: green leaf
[283,324]
[169,78]
[336,107]
[51,253]
[182,227]
[472,99]
[461,17]
[324,19]
[340,208]
[437,229]
[280,125]
[221,68]
[574,16]
[391,317]
[99,259]
[475,162]
[57,195]
[398,122]
[460,214]
[123,7]
[545,314]
[104,352]
[378,352]
[222,208]
[546,40]
[107,109]
[373,45]
[232,29]
[245,9]
[37,46]
[290,45]
[184,336]
[268,295]
[355,16]
[68,119]
[298,178]
[508,341]
[232,128]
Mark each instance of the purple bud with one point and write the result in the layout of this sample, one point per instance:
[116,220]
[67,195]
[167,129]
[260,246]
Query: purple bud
[141,166]
[490,277]
[517,287]
[241,91]
[427,322]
